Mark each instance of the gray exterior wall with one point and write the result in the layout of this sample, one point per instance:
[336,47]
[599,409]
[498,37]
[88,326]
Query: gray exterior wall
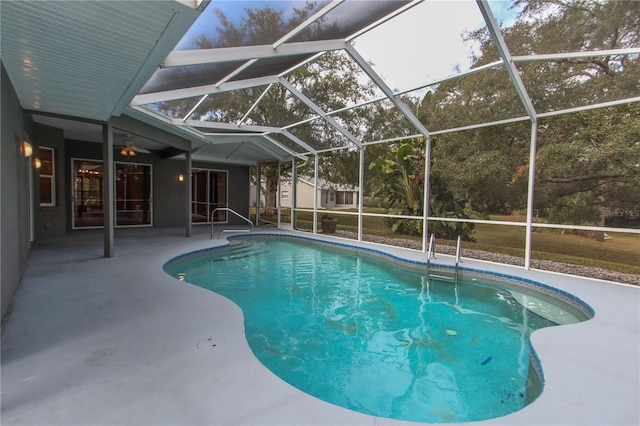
[14,190]
[169,194]
[238,191]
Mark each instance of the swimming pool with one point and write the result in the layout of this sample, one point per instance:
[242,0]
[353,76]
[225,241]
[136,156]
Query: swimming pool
[381,336]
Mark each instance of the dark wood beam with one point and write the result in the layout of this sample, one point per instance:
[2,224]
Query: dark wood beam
[171,152]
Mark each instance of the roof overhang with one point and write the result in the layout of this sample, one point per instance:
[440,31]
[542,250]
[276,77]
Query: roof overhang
[87,59]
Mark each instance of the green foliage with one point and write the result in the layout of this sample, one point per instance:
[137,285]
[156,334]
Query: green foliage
[401,184]
[401,181]
[587,162]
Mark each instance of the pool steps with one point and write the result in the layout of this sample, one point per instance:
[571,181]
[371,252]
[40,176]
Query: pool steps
[239,251]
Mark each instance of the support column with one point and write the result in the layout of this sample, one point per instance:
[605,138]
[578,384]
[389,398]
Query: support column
[530,197]
[361,194]
[316,169]
[187,186]
[279,196]
[294,191]
[258,191]
[427,193]
[108,204]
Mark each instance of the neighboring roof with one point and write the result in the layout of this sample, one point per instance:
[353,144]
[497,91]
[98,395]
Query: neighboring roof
[324,184]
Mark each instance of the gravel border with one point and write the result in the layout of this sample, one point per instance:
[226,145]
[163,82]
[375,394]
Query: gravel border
[545,265]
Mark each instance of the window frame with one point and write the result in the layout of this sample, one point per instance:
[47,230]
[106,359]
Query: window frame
[51,177]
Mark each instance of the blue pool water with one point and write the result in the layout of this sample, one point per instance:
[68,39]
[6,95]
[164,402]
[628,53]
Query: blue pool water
[376,336]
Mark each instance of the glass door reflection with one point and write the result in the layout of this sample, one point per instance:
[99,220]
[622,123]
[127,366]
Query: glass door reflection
[87,207]
[132,185]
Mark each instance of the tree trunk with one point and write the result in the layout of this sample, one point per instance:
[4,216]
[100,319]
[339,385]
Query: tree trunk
[270,194]
[599,235]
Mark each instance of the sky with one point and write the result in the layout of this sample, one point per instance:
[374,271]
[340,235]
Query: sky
[430,34]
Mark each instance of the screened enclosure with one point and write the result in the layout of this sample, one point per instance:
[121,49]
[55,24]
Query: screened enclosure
[517,128]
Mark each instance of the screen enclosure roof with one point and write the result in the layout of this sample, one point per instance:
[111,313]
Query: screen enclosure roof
[253,81]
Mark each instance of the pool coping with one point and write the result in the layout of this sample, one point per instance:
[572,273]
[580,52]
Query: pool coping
[87,344]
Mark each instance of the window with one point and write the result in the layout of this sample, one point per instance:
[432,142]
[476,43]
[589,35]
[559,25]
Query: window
[47,177]
[285,195]
[133,194]
[345,197]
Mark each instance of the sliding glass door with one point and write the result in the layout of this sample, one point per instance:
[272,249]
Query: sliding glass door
[208,192]
[132,192]
[86,202]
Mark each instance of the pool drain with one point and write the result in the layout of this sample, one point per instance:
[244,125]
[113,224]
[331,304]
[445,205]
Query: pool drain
[211,342]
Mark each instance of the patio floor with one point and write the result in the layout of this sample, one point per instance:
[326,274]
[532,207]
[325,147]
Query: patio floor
[116,341]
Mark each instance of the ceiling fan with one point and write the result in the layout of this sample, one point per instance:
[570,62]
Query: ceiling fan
[127,148]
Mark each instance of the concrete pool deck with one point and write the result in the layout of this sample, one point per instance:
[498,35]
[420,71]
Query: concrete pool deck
[115,341]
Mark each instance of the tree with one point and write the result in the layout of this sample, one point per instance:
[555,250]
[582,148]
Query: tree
[587,162]
[401,184]
[588,165]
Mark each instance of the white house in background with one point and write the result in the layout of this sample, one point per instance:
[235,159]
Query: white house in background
[329,195]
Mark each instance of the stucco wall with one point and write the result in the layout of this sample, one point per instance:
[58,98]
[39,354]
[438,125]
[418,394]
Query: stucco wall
[14,189]
[238,190]
[304,195]
[169,194]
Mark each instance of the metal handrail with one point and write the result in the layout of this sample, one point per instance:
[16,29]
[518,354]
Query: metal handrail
[234,212]
[431,251]
[458,250]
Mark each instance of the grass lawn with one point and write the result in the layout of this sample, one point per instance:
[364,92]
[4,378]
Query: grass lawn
[620,253]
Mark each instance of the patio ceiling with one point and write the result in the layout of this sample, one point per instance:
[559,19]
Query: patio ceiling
[87,59]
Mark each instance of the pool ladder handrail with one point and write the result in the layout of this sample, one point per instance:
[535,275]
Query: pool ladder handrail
[230,230]
[458,255]
[431,250]
[458,251]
